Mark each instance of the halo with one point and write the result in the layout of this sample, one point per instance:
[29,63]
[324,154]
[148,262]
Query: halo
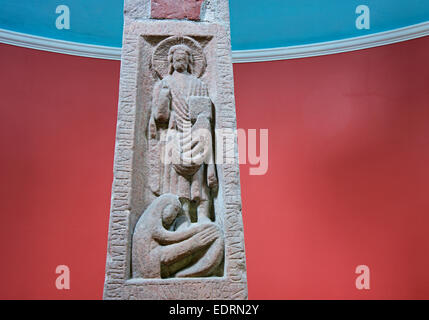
[160,62]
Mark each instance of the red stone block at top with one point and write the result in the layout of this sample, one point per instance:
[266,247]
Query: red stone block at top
[176,9]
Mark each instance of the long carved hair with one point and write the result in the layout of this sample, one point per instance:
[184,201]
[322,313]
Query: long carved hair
[188,51]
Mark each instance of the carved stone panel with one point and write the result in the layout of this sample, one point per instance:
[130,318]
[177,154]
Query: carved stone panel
[175,227]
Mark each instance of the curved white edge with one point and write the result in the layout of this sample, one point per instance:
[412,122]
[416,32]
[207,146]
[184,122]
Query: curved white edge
[332,47]
[239,56]
[59,46]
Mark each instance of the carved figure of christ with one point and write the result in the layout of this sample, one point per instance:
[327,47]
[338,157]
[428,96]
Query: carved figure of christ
[182,109]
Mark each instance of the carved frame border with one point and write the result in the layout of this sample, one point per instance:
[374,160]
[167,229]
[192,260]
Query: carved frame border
[118,285]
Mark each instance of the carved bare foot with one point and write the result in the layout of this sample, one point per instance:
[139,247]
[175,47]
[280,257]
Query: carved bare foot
[203,212]
[204,219]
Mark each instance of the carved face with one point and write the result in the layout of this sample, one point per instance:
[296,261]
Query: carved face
[180,60]
[169,214]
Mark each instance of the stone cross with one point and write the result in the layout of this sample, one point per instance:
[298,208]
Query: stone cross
[176,228]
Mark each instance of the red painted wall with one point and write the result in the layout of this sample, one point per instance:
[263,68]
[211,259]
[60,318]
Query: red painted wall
[57,139]
[347,182]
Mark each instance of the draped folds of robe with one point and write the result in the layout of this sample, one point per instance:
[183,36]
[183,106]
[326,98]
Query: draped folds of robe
[172,116]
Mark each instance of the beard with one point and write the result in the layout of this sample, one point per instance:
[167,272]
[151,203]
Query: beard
[180,66]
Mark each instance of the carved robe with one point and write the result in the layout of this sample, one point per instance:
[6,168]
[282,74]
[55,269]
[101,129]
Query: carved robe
[180,106]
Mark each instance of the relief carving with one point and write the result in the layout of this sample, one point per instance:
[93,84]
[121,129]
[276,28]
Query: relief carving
[175,229]
[178,235]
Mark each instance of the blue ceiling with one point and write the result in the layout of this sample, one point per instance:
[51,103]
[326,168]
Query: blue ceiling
[255,24]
